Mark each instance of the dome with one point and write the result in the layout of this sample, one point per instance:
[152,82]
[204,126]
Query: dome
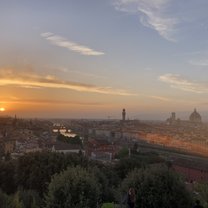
[195,117]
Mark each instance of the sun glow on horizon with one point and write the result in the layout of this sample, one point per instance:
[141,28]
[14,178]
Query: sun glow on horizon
[2,109]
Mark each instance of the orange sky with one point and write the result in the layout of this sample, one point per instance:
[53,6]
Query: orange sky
[93,58]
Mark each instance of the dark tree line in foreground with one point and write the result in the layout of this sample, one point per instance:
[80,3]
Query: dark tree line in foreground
[55,180]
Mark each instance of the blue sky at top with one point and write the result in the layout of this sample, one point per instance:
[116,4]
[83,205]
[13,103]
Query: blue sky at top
[145,55]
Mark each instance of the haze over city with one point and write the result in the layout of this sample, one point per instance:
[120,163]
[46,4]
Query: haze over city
[91,59]
[103,103]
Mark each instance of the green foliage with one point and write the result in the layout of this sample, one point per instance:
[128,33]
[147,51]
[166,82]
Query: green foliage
[157,187]
[34,170]
[107,177]
[7,177]
[123,153]
[202,189]
[112,176]
[137,160]
[108,205]
[74,188]
[148,158]
[28,198]
[70,140]
[16,203]
[107,193]
[125,165]
[22,199]
[81,186]
[5,200]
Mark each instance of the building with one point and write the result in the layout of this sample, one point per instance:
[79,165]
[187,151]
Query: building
[192,170]
[101,149]
[66,147]
[172,119]
[195,117]
[123,115]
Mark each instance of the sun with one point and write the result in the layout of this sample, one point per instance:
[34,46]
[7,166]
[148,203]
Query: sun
[2,109]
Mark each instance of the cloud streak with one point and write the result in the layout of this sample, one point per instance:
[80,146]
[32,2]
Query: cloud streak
[177,81]
[47,101]
[152,14]
[80,73]
[72,46]
[95,76]
[164,99]
[32,80]
[202,62]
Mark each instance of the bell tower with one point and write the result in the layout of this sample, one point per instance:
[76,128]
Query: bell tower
[123,115]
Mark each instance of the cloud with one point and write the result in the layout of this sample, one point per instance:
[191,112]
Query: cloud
[176,81]
[47,101]
[191,53]
[202,62]
[95,76]
[80,73]
[152,13]
[33,80]
[160,98]
[63,69]
[64,43]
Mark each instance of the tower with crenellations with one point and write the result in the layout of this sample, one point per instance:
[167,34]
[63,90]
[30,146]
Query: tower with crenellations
[123,115]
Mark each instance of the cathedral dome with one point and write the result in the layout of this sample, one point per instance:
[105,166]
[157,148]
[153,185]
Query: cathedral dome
[195,117]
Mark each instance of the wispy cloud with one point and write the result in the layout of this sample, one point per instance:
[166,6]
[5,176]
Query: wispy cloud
[177,81]
[25,79]
[202,62]
[80,73]
[152,14]
[63,42]
[160,98]
[87,74]
[48,101]
[191,53]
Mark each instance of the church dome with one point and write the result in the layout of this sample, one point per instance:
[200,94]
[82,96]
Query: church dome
[195,116]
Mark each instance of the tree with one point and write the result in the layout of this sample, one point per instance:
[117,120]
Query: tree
[70,140]
[137,160]
[5,200]
[28,199]
[108,205]
[125,165]
[74,188]
[7,177]
[202,189]
[123,153]
[157,187]
[34,170]
[107,194]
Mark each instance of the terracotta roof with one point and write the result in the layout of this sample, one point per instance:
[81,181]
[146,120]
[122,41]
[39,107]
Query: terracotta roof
[201,164]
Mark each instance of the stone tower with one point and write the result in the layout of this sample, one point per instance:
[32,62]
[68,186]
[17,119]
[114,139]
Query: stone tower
[123,115]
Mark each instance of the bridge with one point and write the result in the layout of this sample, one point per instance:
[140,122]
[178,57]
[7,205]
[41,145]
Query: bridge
[60,127]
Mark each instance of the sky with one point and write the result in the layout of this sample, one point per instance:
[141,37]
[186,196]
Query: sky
[92,58]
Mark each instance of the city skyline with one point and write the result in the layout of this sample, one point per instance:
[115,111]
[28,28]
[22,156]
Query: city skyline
[91,59]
